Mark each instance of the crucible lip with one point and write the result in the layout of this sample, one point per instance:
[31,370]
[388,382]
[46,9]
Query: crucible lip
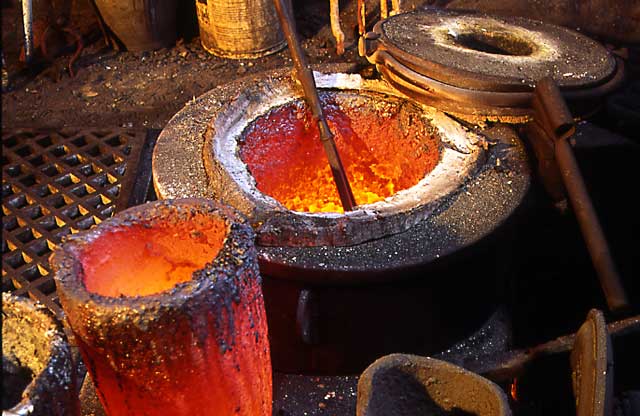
[236,256]
[52,389]
[461,156]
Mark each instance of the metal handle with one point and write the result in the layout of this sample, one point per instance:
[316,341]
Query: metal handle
[552,113]
[307,317]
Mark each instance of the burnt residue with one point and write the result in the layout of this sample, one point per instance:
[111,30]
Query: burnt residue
[38,370]
[16,376]
[158,337]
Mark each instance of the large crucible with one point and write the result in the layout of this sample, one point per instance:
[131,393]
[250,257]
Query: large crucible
[342,289]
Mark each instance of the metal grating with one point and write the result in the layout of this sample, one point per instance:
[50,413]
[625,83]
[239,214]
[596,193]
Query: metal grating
[56,183]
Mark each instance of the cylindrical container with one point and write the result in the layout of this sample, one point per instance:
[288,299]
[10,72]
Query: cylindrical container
[141,25]
[239,29]
[38,372]
[166,305]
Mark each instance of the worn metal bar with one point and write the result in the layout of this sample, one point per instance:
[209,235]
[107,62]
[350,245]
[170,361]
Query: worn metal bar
[362,16]
[27,23]
[552,113]
[311,93]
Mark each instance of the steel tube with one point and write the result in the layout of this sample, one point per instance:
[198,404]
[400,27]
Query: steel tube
[553,115]
[27,23]
[590,226]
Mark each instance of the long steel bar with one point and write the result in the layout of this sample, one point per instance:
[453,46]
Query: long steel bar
[311,93]
[553,115]
[27,23]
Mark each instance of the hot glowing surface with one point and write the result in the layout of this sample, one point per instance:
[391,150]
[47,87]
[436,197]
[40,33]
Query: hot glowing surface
[139,260]
[384,143]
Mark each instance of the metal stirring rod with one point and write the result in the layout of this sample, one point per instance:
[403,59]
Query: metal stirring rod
[311,93]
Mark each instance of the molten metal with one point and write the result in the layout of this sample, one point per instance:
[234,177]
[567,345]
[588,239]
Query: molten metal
[163,257]
[382,150]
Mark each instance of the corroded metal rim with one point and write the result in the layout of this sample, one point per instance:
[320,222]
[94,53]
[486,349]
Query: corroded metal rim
[231,182]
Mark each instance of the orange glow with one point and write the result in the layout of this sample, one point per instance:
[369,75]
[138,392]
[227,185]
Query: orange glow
[513,390]
[142,261]
[381,150]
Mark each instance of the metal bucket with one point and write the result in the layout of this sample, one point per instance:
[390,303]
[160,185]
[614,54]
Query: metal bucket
[239,29]
[141,25]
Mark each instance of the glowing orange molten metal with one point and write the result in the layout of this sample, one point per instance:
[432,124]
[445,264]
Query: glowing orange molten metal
[383,151]
[157,258]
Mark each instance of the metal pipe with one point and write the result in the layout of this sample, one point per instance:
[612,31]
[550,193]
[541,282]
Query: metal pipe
[590,226]
[361,17]
[311,93]
[552,113]
[27,23]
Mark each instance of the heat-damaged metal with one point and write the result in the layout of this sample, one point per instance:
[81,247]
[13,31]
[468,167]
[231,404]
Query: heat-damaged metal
[305,76]
[554,119]
[484,65]
[38,372]
[56,183]
[402,384]
[164,352]
[592,367]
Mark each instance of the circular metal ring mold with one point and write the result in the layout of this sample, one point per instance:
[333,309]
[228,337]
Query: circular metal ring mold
[483,65]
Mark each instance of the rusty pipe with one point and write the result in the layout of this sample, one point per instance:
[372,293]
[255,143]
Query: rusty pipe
[590,226]
[553,115]
[313,100]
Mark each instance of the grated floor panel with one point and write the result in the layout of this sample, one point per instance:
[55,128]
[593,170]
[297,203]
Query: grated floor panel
[56,183]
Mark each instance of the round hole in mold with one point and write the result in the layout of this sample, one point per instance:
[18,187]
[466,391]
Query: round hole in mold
[496,43]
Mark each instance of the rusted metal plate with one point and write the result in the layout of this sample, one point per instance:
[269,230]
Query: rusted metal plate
[592,367]
[56,183]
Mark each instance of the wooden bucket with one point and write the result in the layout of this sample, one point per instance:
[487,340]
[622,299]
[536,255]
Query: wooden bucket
[239,29]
